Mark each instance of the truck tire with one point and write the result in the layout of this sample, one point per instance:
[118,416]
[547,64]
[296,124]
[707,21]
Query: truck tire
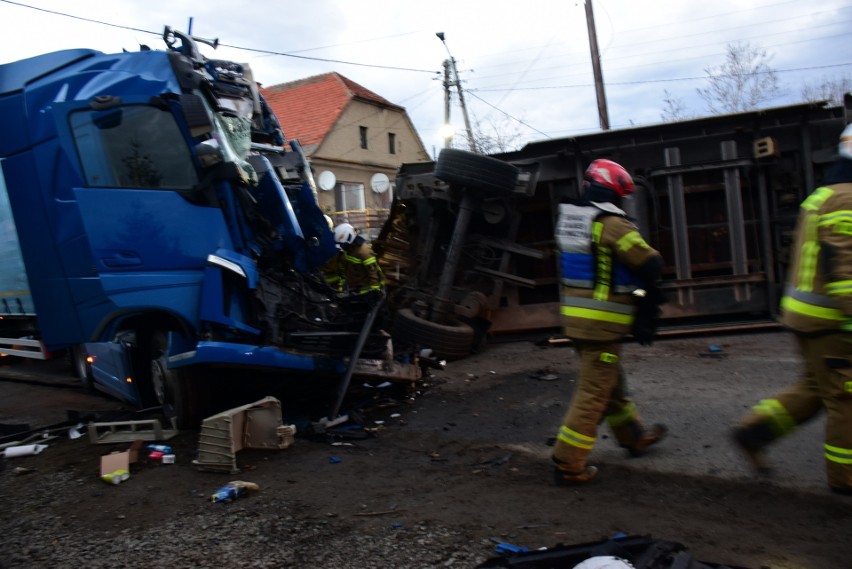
[476,172]
[176,389]
[82,369]
[447,341]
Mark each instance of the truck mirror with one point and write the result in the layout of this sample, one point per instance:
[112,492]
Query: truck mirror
[209,153]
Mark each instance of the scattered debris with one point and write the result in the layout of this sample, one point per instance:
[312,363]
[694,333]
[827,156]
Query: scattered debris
[253,426]
[634,552]
[128,431]
[115,477]
[713,351]
[23,450]
[115,466]
[233,490]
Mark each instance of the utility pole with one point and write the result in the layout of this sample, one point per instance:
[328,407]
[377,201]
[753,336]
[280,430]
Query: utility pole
[596,66]
[448,138]
[452,63]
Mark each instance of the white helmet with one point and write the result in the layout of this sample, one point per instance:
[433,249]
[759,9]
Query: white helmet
[604,562]
[344,234]
[845,146]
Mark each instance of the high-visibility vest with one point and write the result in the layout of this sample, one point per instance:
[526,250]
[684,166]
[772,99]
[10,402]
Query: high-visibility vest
[596,285]
[816,289]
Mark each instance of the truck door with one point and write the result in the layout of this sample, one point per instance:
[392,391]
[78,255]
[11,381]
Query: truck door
[149,236]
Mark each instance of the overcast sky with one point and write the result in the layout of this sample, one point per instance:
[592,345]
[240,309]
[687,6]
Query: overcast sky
[525,66]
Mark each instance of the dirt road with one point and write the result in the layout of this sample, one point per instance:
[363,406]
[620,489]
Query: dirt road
[445,476]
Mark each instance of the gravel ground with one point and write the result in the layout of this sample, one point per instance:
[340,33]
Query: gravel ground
[443,478]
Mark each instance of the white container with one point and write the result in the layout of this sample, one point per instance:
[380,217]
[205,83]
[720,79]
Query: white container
[23,450]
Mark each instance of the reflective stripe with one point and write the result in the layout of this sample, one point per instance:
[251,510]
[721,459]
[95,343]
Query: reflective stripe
[627,414]
[838,455]
[604,274]
[847,387]
[575,439]
[808,256]
[597,231]
[357,261]
[608,358]
[599,315]
[839,221]
[839,288]
[812,310]
[597,304]
[631,239]
[817,198]
[779,419]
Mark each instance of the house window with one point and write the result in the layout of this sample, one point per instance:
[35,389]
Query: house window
[363,132]
[391,143]
[350,197]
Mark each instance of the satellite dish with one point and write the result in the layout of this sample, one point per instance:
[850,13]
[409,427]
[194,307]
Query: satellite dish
[327,180]
[380,183]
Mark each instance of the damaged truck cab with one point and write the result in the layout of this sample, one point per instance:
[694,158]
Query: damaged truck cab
[154,209]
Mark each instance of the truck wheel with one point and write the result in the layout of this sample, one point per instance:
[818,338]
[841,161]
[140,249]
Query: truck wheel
[82,369]
[476,172]
[175,389]
[447,341]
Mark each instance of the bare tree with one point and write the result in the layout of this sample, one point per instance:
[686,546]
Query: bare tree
[829,89]
[743,82]
[674,109]
[492,136]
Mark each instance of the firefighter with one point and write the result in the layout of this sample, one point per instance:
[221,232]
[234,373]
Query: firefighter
[609,287]
[332,270]
[817,307]
[362,274]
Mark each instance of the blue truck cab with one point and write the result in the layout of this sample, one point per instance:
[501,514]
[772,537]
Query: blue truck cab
[152,207]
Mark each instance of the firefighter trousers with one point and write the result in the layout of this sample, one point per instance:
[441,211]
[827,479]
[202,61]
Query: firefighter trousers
[600,393]
[826,384]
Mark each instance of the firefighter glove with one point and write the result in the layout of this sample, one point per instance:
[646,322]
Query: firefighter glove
[645,322]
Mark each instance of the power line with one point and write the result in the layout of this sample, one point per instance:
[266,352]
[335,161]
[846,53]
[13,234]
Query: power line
[586,85]
[253,50]
[510,116]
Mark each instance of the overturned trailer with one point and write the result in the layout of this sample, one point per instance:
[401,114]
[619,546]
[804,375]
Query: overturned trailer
[717,196]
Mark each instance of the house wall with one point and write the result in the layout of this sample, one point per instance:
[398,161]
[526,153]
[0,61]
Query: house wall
[341,153]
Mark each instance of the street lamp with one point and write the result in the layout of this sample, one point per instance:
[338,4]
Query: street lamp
[450,66]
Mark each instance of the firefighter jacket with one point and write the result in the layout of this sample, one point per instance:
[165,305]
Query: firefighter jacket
[818,295]
[333,272]
[599,247]
[361,268]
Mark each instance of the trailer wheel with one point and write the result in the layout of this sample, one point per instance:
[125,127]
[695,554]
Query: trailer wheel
[176,389]
[476,172]
[82,369]
[447,341]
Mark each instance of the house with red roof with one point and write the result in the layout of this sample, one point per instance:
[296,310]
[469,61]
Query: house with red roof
[355,139]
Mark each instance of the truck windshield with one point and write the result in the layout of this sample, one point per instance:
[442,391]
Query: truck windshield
[133,147]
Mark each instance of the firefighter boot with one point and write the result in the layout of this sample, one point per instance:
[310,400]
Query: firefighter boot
[562,476]
[752,441]
[641,438]
[565,478]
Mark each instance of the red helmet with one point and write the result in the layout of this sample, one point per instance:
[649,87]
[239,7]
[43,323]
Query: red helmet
[610,175]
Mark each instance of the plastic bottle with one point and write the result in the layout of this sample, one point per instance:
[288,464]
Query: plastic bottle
[227,493]
[233,490]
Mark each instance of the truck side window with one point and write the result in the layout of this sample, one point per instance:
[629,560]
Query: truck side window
[133,147]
